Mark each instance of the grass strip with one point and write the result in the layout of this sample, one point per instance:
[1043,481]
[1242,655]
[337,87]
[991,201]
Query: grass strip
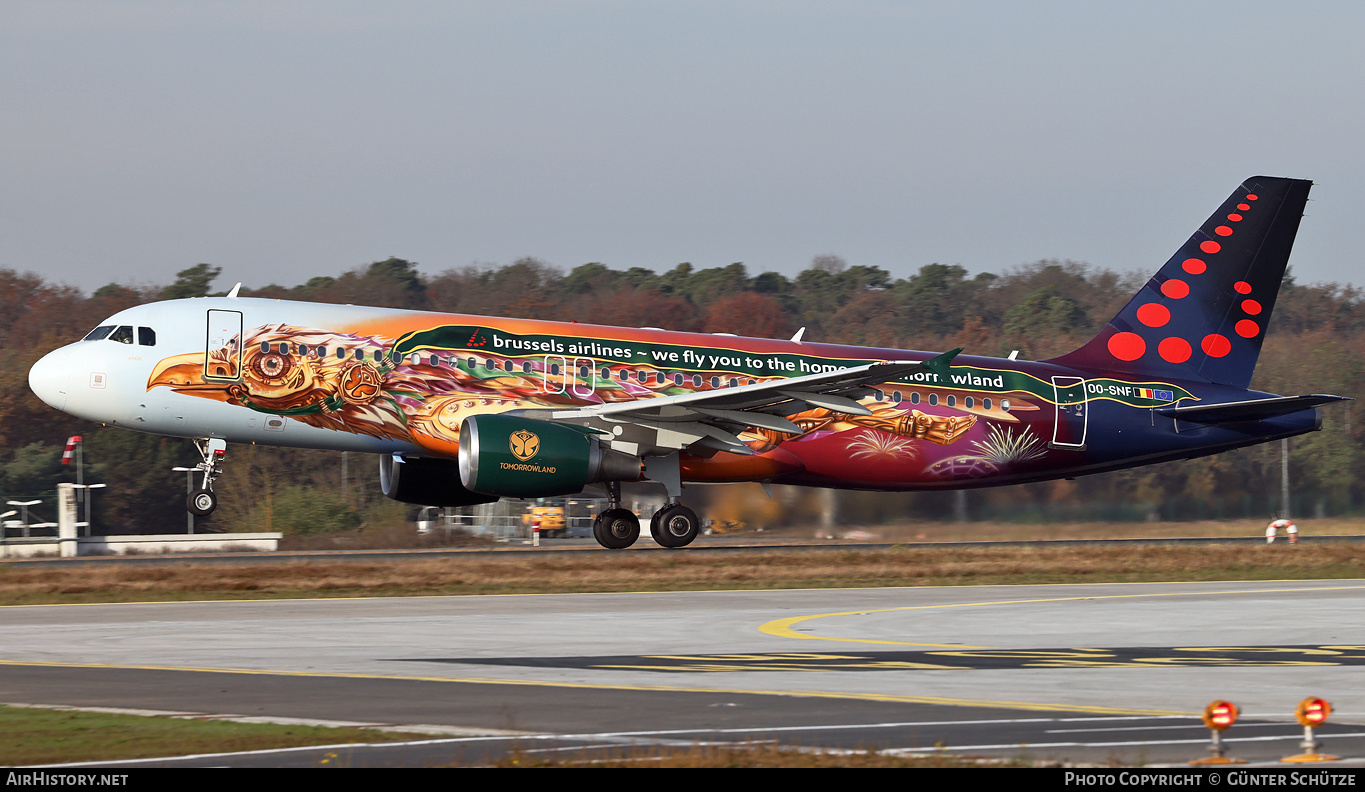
[37,736]
[680,571]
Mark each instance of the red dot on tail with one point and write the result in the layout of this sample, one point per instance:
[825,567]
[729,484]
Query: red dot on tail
[1216,345]
[1251,197]
[1127,346]
[1209,246]
[1153,314]
[1223,231]
[1244,207]
[1234,217]
[1247,328]
[1194,266]
[1174,350]
[1242,287]
[1251,306]
[1175,288]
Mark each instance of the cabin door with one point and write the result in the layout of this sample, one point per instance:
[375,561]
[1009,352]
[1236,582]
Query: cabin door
[223,346]
[1068,430]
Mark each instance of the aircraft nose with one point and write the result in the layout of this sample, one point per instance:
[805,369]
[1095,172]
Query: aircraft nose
[49,379]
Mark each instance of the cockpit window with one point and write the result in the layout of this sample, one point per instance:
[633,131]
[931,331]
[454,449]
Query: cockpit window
[99,333]
[146,336]
[123,335]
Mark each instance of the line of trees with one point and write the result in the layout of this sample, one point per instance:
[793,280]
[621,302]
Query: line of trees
[1316,343]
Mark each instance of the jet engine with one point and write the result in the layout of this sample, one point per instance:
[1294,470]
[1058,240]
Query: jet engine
[525,458]
[428,482]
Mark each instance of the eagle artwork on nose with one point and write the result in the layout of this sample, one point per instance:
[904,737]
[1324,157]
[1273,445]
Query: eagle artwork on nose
[348,382]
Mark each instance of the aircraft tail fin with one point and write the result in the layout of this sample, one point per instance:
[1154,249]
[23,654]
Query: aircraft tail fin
[1204,315]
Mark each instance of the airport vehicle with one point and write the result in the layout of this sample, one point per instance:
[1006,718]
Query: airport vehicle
[467,409]
[548,519]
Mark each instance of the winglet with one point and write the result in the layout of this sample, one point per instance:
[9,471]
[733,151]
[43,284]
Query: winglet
[799,333]
[939,363]
[233,294]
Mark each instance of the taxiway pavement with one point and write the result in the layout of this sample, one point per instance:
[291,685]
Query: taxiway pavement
[1084,673]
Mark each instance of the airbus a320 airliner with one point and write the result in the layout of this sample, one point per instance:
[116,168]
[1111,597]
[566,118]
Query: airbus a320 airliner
[466,409]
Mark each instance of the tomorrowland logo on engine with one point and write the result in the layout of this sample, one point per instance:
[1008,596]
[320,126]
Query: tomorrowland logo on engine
[524,444]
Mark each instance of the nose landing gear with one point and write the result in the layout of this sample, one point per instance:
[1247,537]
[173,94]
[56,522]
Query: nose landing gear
[202,501]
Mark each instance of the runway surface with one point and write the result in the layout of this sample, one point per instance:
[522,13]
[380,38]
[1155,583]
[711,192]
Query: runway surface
[1077,673]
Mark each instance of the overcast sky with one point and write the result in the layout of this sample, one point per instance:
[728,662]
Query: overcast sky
[283,140]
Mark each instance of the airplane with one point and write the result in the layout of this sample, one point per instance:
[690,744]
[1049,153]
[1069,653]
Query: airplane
[468,409]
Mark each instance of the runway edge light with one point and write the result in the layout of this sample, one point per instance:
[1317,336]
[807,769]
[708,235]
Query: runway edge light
[1218,716]
[1311,712]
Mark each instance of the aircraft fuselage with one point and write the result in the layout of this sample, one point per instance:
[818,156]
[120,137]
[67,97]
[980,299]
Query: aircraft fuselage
[402,382]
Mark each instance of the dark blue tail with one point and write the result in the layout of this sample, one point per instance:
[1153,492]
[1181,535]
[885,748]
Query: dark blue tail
[1204,314]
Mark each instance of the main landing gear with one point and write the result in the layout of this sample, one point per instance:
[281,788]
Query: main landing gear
[674,525]
[202,500]
[617,528]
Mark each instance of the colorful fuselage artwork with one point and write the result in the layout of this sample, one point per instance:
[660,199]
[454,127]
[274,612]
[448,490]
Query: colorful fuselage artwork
[415,377]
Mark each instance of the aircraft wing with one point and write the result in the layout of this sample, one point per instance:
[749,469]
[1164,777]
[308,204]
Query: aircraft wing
[712,419]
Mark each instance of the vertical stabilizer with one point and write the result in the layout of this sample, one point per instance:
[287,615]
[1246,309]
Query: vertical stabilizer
[1204,315]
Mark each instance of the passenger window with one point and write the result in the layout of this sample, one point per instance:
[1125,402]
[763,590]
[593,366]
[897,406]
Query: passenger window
[99,333]
[526,368]
[322,351]
[284,348]
[952,400]
[677,379]
[914,398]
[696,380]
[123,335]
[1005,405]
[933,399]
[341,353]
[896,397]
[968,402]
[146,336]
[986,403]
[715,382]
[734,382]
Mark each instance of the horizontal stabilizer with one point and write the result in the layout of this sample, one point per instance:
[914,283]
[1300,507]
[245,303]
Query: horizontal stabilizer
[1254,410]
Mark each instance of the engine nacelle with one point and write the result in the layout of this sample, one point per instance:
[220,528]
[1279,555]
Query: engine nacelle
[526,458]
[428,482]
